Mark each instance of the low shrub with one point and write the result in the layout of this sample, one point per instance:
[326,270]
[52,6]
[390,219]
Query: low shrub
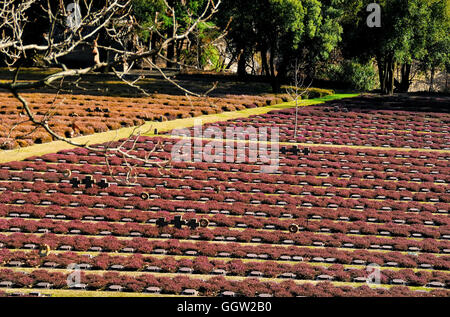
[354,75]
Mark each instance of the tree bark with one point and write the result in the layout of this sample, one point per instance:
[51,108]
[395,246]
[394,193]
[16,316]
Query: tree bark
[274,80]
[385,77]
[380,64]
[170,54]
[405,73]
[265,65]
[391,69]
[272,63]
[446,80]
[154,42]
[432,72]
[386,67]
[242,65]
[179,46]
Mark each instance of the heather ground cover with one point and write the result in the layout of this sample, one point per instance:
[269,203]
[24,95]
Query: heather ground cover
[315,227]
[149,127]
[360,122]
[100,103]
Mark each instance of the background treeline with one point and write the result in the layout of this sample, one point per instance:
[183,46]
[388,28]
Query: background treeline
[330,39]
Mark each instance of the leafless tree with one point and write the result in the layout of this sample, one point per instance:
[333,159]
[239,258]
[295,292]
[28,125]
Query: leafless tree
[65,34]
[297,89]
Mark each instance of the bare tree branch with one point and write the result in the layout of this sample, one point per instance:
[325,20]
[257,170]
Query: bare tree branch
[297,90]
[114,21]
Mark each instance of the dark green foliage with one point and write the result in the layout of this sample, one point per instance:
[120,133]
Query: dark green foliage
[411,31]
[353,75]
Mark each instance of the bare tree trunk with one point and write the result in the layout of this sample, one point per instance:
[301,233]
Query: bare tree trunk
[446,80]
[179,46]
[386,67]
[297,89]
[296,98]
[170,54]
[276,86]
[386,77]
[391,69]
[113,22]
[272,63]
[380,64]
[242,64]
[405,74]
[265,65]
[199,53]
[432,73]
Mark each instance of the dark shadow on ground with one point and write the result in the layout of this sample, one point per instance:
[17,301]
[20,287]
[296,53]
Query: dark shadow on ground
[402,102]
[109,85]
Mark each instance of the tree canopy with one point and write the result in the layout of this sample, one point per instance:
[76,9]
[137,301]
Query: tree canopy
[411,30]
[280,31]
[275,33]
